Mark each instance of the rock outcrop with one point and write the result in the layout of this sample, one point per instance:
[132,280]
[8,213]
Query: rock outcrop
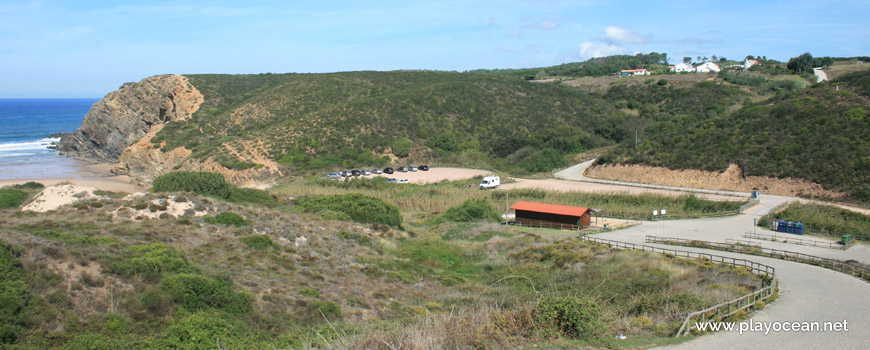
[126,115]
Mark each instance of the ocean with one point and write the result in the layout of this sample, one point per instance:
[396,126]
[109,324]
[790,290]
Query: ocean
[25,127]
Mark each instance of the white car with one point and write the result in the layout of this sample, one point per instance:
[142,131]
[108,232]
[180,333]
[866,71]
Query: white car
[412,168]
[365,172]
[378,171]
[403,181]
[333,176]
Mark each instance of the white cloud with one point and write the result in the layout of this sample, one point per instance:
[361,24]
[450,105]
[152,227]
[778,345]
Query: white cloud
[617,35]
[589,50]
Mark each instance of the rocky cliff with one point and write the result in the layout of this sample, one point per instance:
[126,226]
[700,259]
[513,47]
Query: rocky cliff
[125,116]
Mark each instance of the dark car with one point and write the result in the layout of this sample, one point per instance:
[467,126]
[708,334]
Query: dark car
[402,169]
[355,172]
[424,168]
[388,170]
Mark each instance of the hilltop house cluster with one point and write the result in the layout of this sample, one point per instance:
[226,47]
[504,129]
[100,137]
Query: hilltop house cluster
[705,67]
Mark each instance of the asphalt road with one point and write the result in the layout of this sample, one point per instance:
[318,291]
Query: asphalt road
[807,293]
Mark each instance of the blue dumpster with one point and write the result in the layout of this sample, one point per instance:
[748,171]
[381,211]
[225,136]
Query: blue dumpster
[756,194]
[798,228]
[781,226]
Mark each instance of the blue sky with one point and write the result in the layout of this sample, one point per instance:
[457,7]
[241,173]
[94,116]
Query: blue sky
[89,48]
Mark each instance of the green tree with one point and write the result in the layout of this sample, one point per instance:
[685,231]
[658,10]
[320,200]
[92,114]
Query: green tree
[402,147]
[801,64]
[687,60]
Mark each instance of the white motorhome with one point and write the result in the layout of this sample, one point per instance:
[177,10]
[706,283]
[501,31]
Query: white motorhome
[490,182]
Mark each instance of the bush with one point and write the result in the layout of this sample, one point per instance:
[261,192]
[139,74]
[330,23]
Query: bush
[204,330]
[15,298]
[402,147]
[471,210]
[258,242]
[226,218]
[571,316]
[359,208]
[204,183]
[151,260]
[196,292]
[11,198]
[32,186]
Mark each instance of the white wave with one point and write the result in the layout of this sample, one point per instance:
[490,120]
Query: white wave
[7,155]
[27,145]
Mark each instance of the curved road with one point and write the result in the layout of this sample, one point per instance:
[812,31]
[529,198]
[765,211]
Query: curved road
[807,293]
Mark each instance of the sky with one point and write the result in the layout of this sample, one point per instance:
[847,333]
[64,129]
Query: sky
[59,49]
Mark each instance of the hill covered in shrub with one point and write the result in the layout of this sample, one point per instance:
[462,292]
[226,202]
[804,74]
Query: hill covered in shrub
[819,134]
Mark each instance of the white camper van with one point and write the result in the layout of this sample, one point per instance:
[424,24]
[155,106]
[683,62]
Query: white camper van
[490,182]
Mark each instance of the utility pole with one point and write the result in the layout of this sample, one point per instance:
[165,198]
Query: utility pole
[506,207]
[635,140]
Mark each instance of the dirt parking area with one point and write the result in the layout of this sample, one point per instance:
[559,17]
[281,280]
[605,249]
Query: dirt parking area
[437,174]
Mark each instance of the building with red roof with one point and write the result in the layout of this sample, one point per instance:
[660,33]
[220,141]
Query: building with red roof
[551,215]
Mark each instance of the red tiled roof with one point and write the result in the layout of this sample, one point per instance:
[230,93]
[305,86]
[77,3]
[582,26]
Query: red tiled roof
[550,208]
[633,70]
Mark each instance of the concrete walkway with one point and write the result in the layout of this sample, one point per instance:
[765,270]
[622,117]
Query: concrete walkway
[807,293]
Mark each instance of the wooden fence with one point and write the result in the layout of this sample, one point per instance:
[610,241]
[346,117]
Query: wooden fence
[791,239]
[848,267]
[718,311]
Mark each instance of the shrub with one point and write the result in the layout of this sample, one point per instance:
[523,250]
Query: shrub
[571,316]
[151,260]
[204,183]
[402,147]
[11,198]
[226,218]
[28,186]
[359,208]
[204,330]
[196,292]
[471,210]
[258,242]
[330,309]
[15,298]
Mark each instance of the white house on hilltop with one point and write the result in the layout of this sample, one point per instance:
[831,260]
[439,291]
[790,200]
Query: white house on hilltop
[708,67]
[749,63]
[683,67]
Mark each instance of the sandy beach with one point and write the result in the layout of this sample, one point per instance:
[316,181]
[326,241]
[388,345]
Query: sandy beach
[98,176]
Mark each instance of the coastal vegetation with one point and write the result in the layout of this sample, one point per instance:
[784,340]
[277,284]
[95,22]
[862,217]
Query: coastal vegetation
[295,276]
[818,134]
[824,219]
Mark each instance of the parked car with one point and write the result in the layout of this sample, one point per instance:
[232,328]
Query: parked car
[388,170]
[402,169]
[390,179]
[378,171]
[365,172]
[345,173]
[403,181]
[354,172]
[412,168]
[424,168]
[333,176]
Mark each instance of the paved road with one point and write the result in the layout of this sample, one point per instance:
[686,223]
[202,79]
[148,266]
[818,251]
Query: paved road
[807,293]
[820,75]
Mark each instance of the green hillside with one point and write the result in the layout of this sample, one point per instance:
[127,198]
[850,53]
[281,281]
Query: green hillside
[597,66]
[348,119]
[820,134]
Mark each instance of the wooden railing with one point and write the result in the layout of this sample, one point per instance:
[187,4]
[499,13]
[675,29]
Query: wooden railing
[718,311]
[848,267]
[791,239]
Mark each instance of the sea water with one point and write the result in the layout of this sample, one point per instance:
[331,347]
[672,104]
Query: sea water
[25,129]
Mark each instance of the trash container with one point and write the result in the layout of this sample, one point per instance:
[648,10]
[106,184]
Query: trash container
[847,239]
[798,228]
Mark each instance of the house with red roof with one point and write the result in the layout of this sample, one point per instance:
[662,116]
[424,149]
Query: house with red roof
[551,215]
